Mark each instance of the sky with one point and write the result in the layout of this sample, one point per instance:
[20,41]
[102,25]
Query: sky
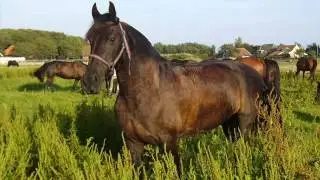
[177,21]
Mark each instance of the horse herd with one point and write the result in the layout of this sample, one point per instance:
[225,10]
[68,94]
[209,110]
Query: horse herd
[159,100]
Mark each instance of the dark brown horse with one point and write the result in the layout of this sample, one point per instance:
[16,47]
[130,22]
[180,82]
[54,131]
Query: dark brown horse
[159,101]
[270,72]
[317,98]
[13,63]
[307,63]
[66,70]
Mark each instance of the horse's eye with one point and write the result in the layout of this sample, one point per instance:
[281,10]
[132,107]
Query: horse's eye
[112,39]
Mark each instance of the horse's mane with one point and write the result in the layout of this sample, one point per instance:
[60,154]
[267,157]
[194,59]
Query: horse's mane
[139,43]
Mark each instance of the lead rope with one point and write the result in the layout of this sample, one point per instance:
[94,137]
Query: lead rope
[126,45]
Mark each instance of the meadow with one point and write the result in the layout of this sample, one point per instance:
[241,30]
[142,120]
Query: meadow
[63,134]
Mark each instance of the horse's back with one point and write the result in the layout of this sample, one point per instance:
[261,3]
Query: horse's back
[227,72]
[207,93]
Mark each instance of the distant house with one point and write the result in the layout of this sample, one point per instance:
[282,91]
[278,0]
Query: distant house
[265,49]
[241,52]
[288,51]
[291,50]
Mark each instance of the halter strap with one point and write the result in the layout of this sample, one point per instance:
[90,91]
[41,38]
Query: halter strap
[125,45]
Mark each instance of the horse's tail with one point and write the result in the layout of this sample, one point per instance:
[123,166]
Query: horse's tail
[40,72]
[273,78]
[272,81]
[315,63]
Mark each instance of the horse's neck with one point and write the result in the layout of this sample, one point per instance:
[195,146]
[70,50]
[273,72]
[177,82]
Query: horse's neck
[143,66]
[139,73]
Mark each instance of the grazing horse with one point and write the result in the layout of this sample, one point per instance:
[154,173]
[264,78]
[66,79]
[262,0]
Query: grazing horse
[13,63]
[158,101]
[66,70]
[307,63]
[270,72]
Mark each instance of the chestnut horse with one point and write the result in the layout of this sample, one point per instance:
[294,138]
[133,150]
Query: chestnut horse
[270,72]
[66,70]
[159,101]
[268,69]
[307,63]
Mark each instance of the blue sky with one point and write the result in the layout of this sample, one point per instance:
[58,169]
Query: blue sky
[176,21]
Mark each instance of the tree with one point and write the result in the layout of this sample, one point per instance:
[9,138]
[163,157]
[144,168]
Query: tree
[238,42]
[312,49]
[213,47]
[226,50]
[41,44]
[300,52]
[191,48]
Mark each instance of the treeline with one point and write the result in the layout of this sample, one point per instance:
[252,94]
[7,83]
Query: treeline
[36,44]
[200,50]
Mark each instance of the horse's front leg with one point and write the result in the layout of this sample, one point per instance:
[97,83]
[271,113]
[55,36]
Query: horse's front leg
[172,147]
[49,82]
[136,149]
[125,118]
[75,84]
[312,75]
[297,73]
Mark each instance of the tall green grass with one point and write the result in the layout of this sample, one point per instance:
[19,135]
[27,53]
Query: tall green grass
[62,134]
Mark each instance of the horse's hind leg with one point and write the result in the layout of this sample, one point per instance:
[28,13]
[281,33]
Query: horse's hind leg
[312,75]
[231,128]
[303,74]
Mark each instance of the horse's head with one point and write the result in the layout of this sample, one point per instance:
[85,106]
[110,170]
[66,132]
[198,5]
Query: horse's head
[39,75]
[108,42]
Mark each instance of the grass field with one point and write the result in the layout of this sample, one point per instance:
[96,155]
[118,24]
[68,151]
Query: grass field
[62,134]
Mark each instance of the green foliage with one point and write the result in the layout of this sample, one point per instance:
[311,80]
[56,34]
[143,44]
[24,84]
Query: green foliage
[35,44]
[238,42]
[226,50]
[60,135]
[300,52]
[312,49]
[182,56]
[200,50]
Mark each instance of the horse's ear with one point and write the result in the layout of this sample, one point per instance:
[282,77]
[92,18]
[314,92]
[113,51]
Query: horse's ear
[95,12]
[112,9]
